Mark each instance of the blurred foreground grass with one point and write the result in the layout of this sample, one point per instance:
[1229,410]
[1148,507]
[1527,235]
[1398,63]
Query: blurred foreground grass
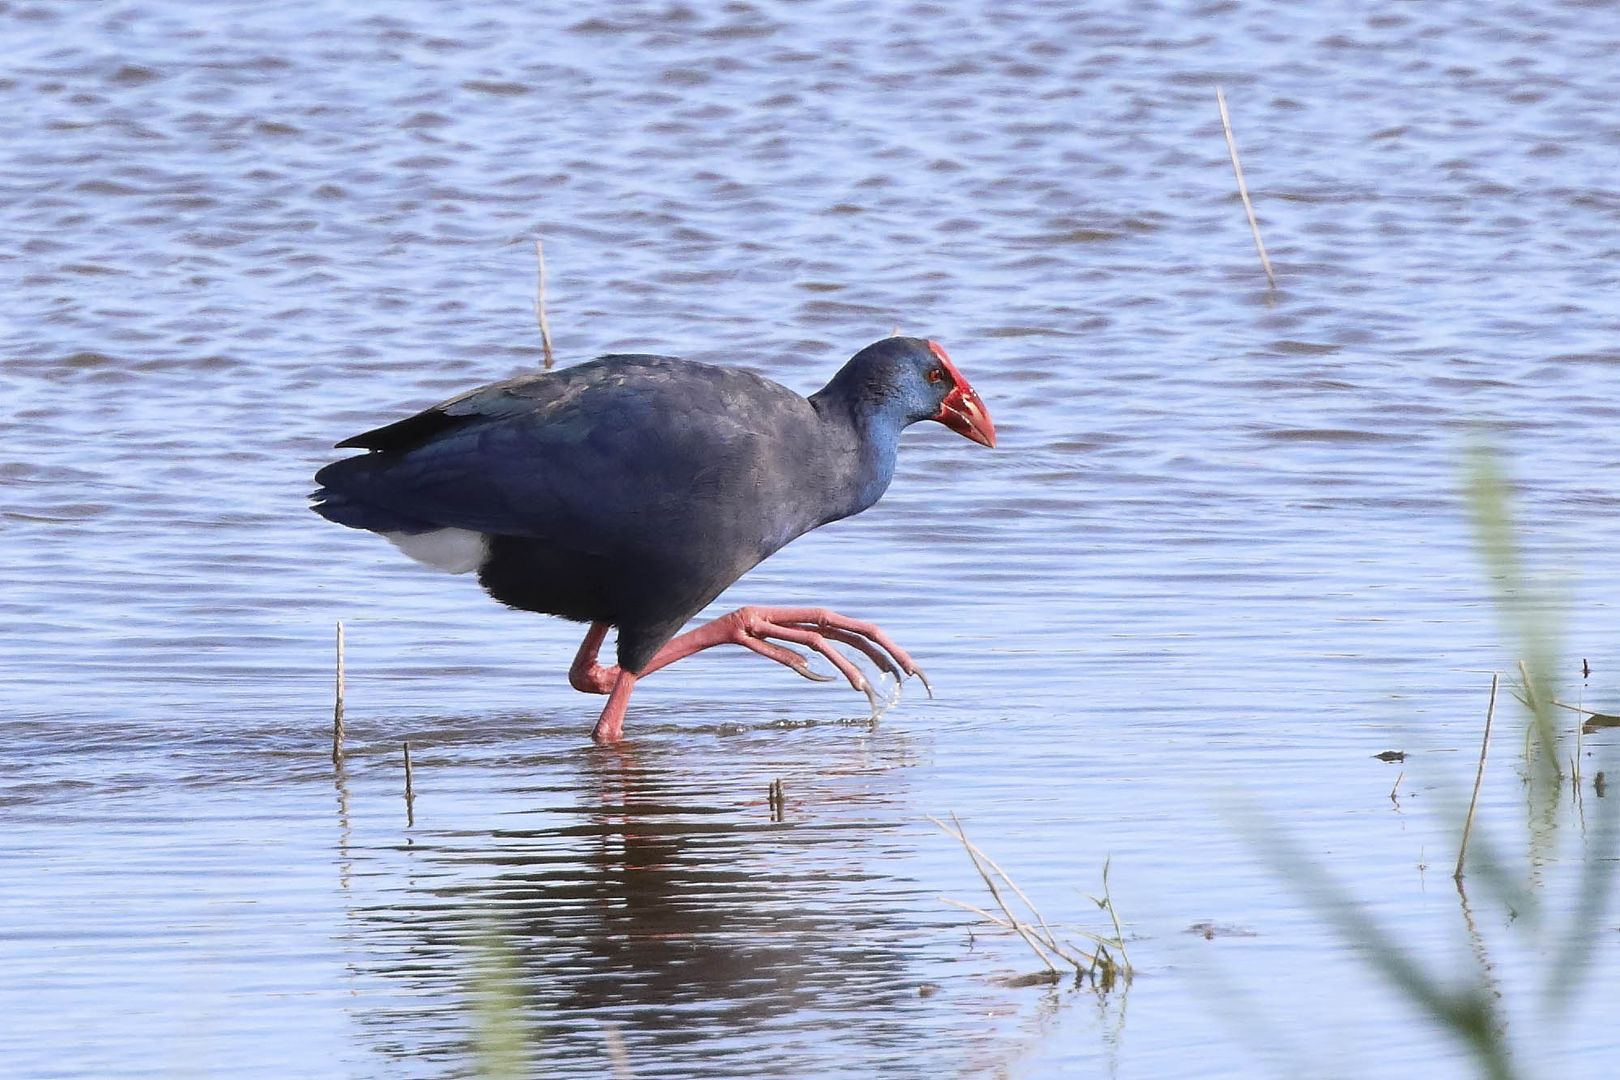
[1473,1008]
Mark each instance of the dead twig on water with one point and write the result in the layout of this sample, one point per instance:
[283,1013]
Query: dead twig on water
[540,303]
[337,705]
[1243,187]
[1479,778]
[1100,964]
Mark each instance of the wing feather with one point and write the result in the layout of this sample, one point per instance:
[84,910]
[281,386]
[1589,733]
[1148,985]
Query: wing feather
[625,456]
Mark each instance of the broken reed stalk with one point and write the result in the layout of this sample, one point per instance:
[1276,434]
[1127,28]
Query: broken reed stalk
[1479,777]
[1100,964]
[987,916]
[337,705]
[410,795]
[1243,187]
[1583,710]
[540,304]
[1019,927]
[977,851]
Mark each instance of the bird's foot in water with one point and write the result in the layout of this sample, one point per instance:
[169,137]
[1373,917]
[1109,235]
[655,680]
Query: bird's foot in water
[759,628]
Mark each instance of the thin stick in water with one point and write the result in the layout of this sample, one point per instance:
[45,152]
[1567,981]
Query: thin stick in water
[540,304]
[337,705]
[410,795]
[1243,187]
[1479,777]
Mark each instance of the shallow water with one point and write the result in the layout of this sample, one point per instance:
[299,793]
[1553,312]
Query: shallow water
[1219,557]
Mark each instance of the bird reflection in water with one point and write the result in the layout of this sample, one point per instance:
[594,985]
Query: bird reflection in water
[656,892]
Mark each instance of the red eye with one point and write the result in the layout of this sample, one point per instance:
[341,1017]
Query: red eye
[936,375]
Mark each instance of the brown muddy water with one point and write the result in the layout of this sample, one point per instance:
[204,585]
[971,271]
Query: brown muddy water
[1220,556]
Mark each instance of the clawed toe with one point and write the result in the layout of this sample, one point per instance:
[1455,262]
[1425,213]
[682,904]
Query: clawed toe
[922,678]
[871,642]
[863,645]
[816,630]
[877,703]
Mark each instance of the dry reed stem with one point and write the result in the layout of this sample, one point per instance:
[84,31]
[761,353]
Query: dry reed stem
[540,304]
[337,704]
[1243,187]
[978,852]
[618,1054]
[1100,963]
[987,916]
[410,793]
[1479,778]
[1022,929]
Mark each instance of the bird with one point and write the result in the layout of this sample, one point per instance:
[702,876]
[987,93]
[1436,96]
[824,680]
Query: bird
[629,491]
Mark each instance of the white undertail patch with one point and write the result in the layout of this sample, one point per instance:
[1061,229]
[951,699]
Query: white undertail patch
[455,551]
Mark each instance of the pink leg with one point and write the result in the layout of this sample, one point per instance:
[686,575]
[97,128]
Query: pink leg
[586,675]
[610,725]
[750,627]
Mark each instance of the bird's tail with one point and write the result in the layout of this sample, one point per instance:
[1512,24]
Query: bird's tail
[341,497]
[359,514]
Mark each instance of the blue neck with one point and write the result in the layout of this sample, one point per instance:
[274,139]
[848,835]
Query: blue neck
[869,430]
[880,445]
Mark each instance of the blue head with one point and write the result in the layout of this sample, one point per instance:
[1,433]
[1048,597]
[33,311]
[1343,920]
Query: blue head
[899,380]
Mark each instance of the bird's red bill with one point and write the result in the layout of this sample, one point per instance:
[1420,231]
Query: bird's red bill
[962,410]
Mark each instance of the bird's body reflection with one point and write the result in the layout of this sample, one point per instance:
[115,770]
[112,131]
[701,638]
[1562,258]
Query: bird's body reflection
[650,888]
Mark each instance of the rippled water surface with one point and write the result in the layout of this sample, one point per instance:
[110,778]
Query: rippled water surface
[1220,556]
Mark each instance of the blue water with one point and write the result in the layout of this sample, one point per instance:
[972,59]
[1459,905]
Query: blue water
[1220,556]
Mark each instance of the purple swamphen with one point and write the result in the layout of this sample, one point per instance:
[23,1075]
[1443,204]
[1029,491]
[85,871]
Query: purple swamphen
[632,490]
